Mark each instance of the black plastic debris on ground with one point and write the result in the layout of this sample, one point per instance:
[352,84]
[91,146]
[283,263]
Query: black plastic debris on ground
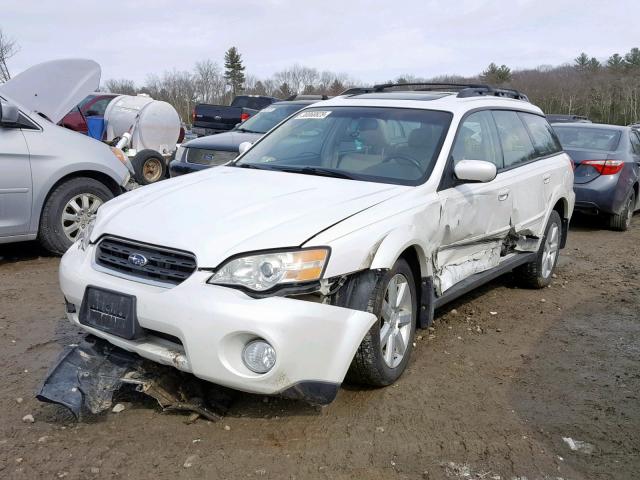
[86,376]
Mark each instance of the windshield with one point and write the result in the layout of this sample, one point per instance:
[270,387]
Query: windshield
[266,119]
[602,139]
[390,145]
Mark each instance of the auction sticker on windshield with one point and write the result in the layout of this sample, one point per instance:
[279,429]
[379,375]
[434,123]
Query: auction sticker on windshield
[313,114]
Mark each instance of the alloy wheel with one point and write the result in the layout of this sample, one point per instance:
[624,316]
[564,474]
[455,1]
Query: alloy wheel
[78,212]
[397,315]
[551,249]
[630,206]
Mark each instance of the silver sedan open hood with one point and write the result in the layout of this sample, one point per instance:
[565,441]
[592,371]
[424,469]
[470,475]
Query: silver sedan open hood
[53,88]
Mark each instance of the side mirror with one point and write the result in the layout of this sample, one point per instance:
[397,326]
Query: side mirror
[9,114]
[244,146]
[475,171]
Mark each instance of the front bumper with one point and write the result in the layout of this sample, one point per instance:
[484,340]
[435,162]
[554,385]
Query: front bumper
[314,342]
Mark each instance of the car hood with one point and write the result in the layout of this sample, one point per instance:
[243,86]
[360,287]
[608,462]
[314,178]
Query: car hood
[224,141]
[53,88]
[224,211]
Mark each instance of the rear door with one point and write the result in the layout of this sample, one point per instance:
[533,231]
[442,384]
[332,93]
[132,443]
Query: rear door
[549,164]
[475,216]
[15,183]
[523,173]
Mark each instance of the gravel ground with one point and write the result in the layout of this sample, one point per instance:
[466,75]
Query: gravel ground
[493,387]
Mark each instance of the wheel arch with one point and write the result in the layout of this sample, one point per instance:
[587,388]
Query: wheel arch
[402,243]
[562,207]
[103,178]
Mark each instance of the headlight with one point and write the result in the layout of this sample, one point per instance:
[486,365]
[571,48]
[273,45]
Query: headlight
[179,153]
[260,272]
[120,155]
[84,235]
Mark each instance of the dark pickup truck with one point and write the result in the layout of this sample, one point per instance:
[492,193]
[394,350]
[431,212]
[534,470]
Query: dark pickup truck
[210,119]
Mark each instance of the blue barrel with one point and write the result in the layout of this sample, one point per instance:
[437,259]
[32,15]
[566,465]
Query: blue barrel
[95,126]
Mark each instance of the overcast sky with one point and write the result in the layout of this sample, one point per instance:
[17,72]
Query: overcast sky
[369,40]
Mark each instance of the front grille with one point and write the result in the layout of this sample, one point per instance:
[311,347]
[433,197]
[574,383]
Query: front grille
[162,264]
[209,157]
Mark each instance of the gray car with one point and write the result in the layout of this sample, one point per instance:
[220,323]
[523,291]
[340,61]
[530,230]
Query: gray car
[607,164]
[52,180]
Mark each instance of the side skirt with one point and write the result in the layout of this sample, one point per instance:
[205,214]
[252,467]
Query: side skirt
[478,279]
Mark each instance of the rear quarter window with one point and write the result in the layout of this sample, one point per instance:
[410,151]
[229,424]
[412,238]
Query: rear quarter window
[514,138]
[544,138]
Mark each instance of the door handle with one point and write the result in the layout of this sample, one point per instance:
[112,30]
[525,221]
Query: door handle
[503,195]
[546,178]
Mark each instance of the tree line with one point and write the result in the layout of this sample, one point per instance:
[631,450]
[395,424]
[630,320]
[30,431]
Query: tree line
[605,91]
[208,82]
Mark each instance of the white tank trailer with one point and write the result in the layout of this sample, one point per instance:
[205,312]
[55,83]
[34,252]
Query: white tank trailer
[147,130]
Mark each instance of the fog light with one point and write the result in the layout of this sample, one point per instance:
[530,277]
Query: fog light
[259,356]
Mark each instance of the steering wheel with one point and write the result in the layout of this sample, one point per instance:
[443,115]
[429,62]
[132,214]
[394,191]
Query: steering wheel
[403,158]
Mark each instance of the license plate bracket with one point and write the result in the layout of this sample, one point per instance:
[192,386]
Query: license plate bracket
[111,312]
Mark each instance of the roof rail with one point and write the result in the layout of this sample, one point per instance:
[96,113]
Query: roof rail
[307,97]
[464,89]
[358,91]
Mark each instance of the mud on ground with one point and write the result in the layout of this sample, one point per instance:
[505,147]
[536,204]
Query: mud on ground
[492,389]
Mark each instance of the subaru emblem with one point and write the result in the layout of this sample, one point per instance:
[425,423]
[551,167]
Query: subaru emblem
[138,259]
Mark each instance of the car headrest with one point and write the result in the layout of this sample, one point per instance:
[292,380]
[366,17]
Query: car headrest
[366,124]
[420,137]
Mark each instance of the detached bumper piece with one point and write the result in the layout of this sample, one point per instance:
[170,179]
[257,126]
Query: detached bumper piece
[87,375]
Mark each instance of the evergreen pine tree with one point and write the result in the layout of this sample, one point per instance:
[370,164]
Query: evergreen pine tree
[234,70]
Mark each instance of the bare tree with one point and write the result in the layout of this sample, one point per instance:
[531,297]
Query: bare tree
[8,48]
[175,87]
[210,84]
[122,86]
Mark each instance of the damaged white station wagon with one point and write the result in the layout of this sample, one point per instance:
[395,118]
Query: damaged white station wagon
[316,254]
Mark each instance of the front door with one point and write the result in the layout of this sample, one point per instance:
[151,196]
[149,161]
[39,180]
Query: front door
[475,217]
[15,183]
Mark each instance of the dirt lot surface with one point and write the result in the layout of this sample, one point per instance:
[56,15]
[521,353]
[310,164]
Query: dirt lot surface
[490,393]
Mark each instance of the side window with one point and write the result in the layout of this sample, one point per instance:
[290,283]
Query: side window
[543,136]
[635,142]
[477,140]
[98,107]
[516,143]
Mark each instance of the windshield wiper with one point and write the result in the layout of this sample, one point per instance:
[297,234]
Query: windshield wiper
[250,165]
[320,171]
[247,131]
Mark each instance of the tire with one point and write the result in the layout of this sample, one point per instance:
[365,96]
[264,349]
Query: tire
[538,273]
[374,363]
[622,221]
[149,167]
[86,194]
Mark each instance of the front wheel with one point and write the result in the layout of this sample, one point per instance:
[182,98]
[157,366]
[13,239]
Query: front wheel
[68,209]
[385,350]
[622,221]
[537,274]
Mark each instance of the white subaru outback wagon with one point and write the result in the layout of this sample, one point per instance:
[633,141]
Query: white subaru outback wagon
[313,257]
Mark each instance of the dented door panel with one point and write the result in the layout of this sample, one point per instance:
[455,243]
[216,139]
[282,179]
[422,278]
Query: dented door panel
[528,201]
[474,219]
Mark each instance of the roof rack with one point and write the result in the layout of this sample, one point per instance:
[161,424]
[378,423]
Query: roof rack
[358,91]
[464,89]
[306,97]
